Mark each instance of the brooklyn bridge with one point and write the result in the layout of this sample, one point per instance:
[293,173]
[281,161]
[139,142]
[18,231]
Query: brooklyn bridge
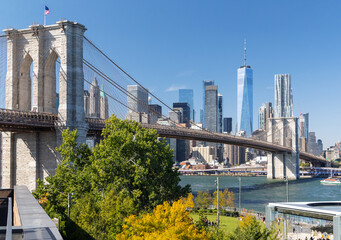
[49,70]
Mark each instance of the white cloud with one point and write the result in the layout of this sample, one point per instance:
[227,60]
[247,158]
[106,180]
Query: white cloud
[174,88]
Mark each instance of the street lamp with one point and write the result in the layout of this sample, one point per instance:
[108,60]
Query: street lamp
[240,194]
[287,187]
[217,182]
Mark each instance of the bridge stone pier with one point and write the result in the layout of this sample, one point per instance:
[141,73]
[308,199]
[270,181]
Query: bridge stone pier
[31,86]
[283,131]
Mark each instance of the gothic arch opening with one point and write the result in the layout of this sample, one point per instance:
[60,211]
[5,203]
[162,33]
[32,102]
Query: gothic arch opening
[25,84]
[51,85]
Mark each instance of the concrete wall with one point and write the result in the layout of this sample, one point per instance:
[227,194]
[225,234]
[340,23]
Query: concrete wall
[27,157]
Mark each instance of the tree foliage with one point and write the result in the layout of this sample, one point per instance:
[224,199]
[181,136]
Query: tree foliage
[188,201]
[203,199]
[226,199]
[167,221]
[129,171]
[252,229]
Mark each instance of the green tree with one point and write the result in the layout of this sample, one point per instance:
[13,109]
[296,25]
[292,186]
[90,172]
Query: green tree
[129,171]
[101,218]
[69,177]
[134,159]
[252,229]
[203,199]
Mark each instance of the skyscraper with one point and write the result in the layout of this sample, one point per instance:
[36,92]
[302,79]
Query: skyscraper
[220,113]
[265,112]
[245,97]
[211,108]
[283,96]
[227,125]
[202,113]
[182,146]
[94,99]
[320,146]
[139,101]
[185,111]
[262,117]
[155,109]
[104,107]
[86,103]
[305,125]
[186,96]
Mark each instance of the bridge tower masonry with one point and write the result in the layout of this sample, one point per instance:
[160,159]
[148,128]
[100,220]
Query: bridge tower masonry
[283,131]
[28,156]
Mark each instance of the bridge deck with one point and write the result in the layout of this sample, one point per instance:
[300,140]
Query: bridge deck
[13,120]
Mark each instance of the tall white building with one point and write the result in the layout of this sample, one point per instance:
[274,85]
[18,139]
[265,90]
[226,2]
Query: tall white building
[138,102]
[262,117]
[94,99]
[283,96]
[104,106]
[265,112]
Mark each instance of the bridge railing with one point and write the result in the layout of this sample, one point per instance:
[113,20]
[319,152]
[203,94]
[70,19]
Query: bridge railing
[16,117]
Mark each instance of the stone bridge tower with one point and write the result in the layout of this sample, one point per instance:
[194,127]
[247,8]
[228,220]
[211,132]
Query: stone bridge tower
[283,131]
[31,86]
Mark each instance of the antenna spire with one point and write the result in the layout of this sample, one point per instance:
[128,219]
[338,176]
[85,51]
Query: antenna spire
[245,52]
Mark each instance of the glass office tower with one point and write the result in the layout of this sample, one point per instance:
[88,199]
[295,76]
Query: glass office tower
[220,113]
[186,96]
[245,99]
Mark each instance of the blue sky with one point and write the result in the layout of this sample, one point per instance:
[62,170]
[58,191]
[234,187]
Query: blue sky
[168,45]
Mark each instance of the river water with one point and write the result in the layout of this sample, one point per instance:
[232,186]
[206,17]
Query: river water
[257,192]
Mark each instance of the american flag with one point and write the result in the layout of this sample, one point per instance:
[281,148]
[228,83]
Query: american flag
[47,10]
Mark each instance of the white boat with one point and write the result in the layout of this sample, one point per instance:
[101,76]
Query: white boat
[331,181]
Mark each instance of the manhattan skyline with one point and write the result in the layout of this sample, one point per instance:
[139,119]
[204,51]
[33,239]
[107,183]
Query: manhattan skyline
[167,46]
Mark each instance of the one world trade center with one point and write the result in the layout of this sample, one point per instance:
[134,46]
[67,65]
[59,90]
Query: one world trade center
[245,97]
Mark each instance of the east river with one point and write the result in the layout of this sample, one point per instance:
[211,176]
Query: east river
[257,192]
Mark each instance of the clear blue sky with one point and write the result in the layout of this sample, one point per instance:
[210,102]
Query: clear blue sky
[176,44]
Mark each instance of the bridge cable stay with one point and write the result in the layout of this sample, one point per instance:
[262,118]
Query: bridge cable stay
[121,89]
[135,81]
[117,86]
[3,64]
[129,76]
[277,131]
[267,134]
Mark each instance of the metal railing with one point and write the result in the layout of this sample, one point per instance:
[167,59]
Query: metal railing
[14,119]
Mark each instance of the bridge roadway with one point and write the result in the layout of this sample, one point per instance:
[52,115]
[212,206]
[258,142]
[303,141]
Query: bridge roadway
[21,121]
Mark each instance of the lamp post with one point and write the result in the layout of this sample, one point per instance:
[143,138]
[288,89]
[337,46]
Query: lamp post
[240,194]
[217,182]
[287,187]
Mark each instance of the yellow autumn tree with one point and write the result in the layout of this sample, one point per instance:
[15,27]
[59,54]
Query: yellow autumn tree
[226,199]
[229,198]
[167,221]
[188,201]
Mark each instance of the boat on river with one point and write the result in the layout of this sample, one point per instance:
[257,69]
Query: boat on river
[331,181]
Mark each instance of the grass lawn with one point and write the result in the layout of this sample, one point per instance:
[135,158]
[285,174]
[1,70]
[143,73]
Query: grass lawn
[228,224]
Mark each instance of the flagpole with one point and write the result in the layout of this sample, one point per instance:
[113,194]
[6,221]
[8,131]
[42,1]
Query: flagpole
[44,17]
